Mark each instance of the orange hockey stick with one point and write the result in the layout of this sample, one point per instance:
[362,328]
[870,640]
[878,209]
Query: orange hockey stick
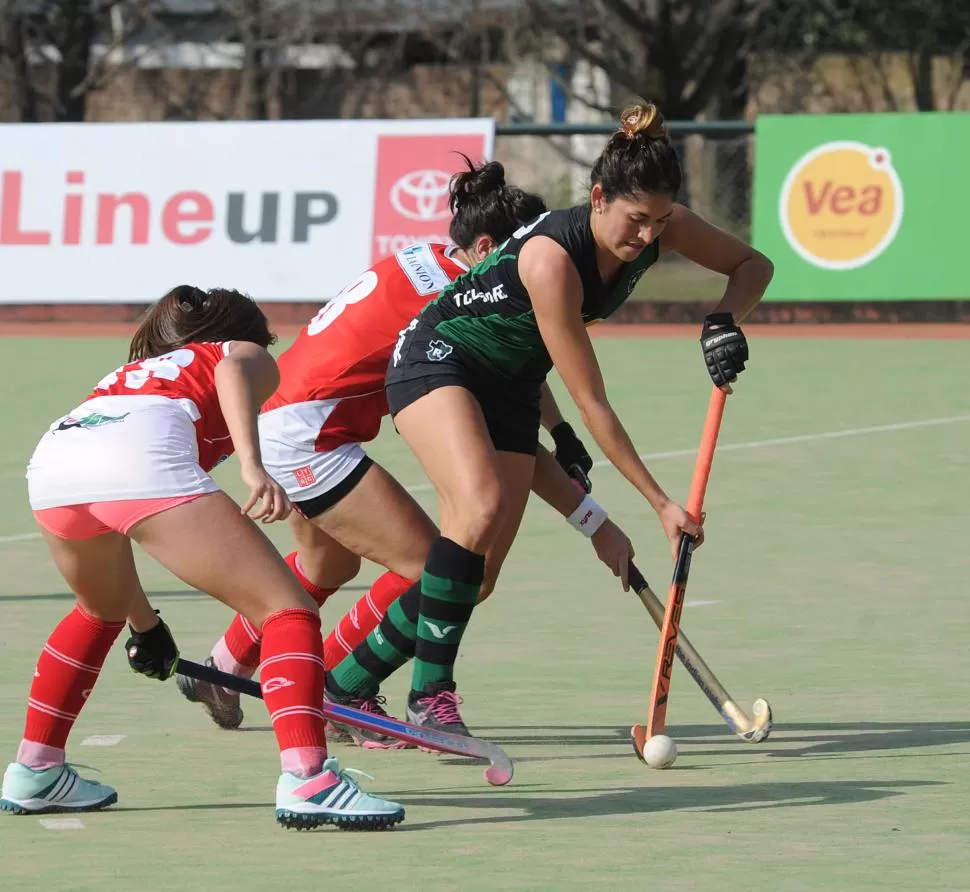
[667,649]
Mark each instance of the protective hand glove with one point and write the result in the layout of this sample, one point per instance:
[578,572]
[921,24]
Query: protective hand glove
[571,455]
[725,348]
[153,653]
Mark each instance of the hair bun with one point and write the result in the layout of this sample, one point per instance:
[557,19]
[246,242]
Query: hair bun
[476,181]
[643,118]
[190,298]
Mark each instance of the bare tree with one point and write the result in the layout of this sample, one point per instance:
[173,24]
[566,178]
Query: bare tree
[927,42]
[49,66]
[678,51]
[18,94]
[688,56]
[867,55]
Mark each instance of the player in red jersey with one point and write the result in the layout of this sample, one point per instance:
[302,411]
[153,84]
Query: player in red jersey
[132,462]
[331,400]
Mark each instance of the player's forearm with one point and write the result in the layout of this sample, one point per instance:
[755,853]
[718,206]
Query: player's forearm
[240,408]
[601,421]
[552,484]
[141,616]
[745,287]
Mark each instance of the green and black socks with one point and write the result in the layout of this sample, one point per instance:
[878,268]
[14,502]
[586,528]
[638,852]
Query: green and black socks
[450,584]
[427,622]
[388,647]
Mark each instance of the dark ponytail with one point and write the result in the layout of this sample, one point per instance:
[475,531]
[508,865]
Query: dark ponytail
[483,204]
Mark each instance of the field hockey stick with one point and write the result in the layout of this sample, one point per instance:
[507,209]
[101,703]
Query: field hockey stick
[498,773]
[750,730]
[660,690]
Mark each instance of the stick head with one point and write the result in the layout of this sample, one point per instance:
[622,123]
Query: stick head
[638,733]
[761,725]
[498,775]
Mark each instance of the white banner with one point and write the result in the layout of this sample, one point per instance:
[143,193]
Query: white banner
[288,210]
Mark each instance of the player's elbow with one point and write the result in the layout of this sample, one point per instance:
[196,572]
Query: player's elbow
[761,269]
[768,268]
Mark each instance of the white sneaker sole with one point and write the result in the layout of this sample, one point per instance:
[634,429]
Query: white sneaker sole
[42,806]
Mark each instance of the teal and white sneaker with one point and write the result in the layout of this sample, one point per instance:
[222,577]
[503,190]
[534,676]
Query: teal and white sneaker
[60,789]
[332,797]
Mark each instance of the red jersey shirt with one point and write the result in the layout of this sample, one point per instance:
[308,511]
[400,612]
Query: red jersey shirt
[341,355]
[186,375]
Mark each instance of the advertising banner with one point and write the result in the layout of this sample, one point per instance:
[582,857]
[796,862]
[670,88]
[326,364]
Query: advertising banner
[863,207]
[283,210]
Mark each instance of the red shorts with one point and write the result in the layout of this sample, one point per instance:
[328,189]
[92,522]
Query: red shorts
[97,518]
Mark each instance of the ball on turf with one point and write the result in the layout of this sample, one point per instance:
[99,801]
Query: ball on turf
[660,751]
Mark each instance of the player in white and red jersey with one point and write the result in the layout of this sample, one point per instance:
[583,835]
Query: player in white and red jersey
[131,462]
[331,400]
[163,398]
[331,392]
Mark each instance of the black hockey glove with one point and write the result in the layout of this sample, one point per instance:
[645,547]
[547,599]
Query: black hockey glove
[572,455]
[725,348]
[153,653]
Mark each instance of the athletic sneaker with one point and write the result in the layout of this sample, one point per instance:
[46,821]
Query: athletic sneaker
[332,797]
[58,789]
[369,740]
[222,705]
[437,707]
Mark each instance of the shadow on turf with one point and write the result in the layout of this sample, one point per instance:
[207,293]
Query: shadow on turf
[612,803]
[819,738]
[185,594]
[651,800]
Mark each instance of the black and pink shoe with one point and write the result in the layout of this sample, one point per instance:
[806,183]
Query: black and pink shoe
[437,707]
[362,737]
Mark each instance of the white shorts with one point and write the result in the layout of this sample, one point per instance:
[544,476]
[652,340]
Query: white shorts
[113,448]
[287,438]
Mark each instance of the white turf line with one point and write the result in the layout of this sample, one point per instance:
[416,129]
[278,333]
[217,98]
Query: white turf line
[726,447]
[779,441]
[108,739]
[22,537]
[62,823]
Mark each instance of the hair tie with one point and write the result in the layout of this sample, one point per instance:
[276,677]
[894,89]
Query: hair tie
[629,124]
[193,300]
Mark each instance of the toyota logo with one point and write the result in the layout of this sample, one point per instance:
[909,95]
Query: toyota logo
[422,195]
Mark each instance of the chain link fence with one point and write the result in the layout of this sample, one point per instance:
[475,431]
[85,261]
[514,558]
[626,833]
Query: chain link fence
[718,162]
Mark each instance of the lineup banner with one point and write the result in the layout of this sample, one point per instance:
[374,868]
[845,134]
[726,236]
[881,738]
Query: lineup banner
[863,207]
[282,210]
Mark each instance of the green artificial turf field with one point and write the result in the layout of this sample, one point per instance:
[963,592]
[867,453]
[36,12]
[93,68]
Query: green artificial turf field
[833,582]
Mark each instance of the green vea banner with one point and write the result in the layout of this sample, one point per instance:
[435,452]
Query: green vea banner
[864,207]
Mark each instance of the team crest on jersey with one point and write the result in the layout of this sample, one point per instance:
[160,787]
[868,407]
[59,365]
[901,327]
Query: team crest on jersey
[95,419]
[633,281]
[438,350]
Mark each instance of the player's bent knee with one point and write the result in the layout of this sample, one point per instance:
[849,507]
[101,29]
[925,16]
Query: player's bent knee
[288,598]
[481,520]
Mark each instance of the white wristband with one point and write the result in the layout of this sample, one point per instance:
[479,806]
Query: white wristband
[588,517]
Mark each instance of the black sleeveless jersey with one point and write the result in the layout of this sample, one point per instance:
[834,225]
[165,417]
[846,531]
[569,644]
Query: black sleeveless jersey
[487,312]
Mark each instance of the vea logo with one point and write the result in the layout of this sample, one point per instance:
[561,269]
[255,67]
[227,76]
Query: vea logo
[841,205]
